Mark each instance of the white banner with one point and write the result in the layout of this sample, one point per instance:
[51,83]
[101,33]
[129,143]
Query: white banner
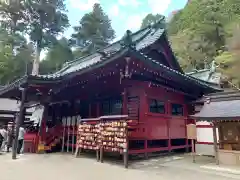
[73,120]
[78,119]
[68,121]
[64,121]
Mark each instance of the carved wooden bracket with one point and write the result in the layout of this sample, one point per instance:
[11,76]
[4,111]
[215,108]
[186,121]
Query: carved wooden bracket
[126,73]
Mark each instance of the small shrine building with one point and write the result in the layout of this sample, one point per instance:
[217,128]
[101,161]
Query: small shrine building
[222,111]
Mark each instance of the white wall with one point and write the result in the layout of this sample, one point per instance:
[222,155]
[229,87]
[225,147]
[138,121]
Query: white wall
[204,145]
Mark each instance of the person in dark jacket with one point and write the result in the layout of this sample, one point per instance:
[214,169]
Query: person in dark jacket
[1,141]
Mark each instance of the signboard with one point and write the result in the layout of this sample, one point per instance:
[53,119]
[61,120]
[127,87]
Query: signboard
[191,131]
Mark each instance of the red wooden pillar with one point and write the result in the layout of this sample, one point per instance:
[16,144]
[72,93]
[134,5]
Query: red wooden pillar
[143,106]
[42,132]
[98,108]
[124,103]
[43,129]
[185,114]
[169,125]
[90,110]
[142,118]
[187,145]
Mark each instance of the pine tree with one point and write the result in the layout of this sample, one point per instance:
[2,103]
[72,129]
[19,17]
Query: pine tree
[151,19]
[94,30]
[56,56]
[47,20]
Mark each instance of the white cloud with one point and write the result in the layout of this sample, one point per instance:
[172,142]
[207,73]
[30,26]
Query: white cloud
[159,6]
[134,21]
[117,38]
[84,5]
[122,2]
[133,3]
[114,10]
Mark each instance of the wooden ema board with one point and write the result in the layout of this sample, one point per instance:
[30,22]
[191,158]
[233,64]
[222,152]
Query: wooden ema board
[88,136]
[111,136]
[114,136]
[191,131]
[108,136]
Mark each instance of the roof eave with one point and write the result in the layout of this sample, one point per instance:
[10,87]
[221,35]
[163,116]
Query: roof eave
[210,119]
[176,73]
[16,84]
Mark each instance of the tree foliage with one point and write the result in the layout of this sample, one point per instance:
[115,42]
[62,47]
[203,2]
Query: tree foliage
[94,31]
[13,63]
[13,17]
[151,19]
[41,21]
[57,55]
[47,19]
[204,31]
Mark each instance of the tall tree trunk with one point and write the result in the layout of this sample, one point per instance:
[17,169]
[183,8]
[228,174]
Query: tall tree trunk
[35,69]
[13,31]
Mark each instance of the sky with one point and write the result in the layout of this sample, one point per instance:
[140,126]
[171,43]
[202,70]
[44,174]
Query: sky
[124,14]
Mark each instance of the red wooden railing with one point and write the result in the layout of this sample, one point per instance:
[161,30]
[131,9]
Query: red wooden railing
[52,135]
[31,142]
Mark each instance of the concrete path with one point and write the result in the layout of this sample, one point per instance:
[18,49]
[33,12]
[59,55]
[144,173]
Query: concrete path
[66,167]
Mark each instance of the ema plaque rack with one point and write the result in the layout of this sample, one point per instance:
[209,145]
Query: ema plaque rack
[87,136]
[104,136]
[114,136]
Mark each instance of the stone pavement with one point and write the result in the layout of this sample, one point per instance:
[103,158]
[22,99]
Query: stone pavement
[64,166]
[183,163]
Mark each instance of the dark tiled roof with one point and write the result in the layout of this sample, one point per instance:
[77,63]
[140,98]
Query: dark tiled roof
[139,40]
[206,75]
[13,85]
[10,105]
[135,53]
[142,38]
[223,96]
[185,77]
[220,106]
[220,110]
[156,64]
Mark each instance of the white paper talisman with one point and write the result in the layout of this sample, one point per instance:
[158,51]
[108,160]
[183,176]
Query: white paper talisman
[64,121]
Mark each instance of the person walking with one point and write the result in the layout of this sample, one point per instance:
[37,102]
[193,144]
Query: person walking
[9,139]
[3,138]
[20,139]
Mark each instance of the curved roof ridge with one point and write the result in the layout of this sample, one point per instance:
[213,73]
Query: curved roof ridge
[118,41]
[145,32]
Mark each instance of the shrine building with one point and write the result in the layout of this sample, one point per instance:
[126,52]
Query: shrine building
[137,78]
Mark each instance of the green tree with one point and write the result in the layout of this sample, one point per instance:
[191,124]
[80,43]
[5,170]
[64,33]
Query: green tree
[151,19]
[47,20]
[78,53]
[94,31]
[57,55]
[204,18]
[208,25]
[13,62]
[13,21]
[229,61]
[13,18]
[193,52]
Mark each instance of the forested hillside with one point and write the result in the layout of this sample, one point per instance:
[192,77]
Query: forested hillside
[208,30]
